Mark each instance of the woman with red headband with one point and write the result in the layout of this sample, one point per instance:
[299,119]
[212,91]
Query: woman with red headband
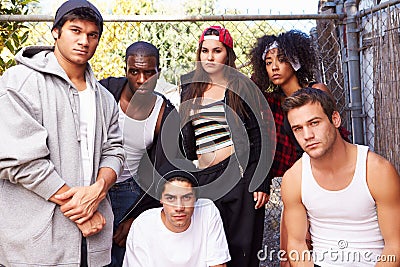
[223,131]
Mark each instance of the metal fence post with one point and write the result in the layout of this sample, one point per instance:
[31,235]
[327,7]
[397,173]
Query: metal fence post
[353,58]
[339,9]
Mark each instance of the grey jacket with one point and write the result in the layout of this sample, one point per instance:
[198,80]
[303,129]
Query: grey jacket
[40,152]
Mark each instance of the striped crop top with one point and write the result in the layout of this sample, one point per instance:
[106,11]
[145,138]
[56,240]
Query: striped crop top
[211,128]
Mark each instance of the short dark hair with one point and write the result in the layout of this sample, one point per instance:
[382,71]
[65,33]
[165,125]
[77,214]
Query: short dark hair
[310,95]
[84,13]
[144,48]
[180,179]
[177,170]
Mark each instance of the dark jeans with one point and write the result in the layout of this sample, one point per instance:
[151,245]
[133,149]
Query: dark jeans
[122,196]
[83,253]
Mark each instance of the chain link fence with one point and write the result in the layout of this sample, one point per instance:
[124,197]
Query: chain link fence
[177,37]
[380,76]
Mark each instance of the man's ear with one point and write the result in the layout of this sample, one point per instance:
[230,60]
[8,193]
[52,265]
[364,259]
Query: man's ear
[158,73]
[336,119]
[54,32]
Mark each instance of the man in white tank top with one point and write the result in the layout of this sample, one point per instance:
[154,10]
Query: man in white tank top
[141,115]
[346,196]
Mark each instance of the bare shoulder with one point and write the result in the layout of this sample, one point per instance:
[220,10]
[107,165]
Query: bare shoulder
[378,165]
[294,172]
[291,180]
[382,176]
[321,86]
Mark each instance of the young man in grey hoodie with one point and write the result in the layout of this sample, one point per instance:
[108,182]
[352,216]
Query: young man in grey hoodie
[60,150]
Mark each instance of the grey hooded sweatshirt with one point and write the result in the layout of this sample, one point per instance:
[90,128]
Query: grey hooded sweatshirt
[40,152]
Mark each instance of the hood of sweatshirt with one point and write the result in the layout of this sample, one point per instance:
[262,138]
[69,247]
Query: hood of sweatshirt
[42,59]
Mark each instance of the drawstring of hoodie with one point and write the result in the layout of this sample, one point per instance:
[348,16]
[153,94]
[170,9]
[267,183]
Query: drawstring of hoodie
[74,100]
[103,123]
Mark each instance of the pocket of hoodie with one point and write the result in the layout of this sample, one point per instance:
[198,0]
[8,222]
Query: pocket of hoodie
[25,220]
[44,230]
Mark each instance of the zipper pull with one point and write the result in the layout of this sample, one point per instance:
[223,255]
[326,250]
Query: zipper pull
[241,170]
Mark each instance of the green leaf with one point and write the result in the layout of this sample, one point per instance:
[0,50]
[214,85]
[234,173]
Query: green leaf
[24,37]
[9,46]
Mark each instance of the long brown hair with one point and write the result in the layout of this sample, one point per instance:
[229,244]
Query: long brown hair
[201,79]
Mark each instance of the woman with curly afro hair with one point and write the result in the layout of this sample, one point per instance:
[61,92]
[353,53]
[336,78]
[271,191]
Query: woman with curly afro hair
[282,65]
[285,63]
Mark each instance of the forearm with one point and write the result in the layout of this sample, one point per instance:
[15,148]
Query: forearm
[390,256]
[106,177]
[298,254]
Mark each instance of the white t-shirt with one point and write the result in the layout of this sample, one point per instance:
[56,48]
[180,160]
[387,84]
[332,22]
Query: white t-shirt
[203,244]
[87,121]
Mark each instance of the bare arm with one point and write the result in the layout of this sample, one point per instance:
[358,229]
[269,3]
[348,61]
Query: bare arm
[283,243]
[122,231]
[295,217]
[219,265]
[384,184]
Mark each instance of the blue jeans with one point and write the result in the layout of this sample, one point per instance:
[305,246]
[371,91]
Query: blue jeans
[122,196]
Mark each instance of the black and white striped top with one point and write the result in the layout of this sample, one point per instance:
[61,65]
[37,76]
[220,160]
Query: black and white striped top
[211,128]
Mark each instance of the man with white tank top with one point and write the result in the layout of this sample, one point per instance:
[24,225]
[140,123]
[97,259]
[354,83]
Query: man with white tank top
[142,113]
[348,196]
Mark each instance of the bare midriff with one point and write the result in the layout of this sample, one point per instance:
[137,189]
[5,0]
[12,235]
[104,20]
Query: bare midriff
[212,158]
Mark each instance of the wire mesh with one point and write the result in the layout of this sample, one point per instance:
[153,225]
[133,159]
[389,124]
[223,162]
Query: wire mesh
[177,41]
[380,80]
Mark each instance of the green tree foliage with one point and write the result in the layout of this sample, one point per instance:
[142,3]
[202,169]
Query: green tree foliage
[12,34]
[177,41]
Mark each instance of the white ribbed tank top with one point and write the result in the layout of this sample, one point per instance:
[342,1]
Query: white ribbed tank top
[343,224]
[138,136]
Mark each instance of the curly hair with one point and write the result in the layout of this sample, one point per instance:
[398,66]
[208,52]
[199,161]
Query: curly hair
[296,46]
